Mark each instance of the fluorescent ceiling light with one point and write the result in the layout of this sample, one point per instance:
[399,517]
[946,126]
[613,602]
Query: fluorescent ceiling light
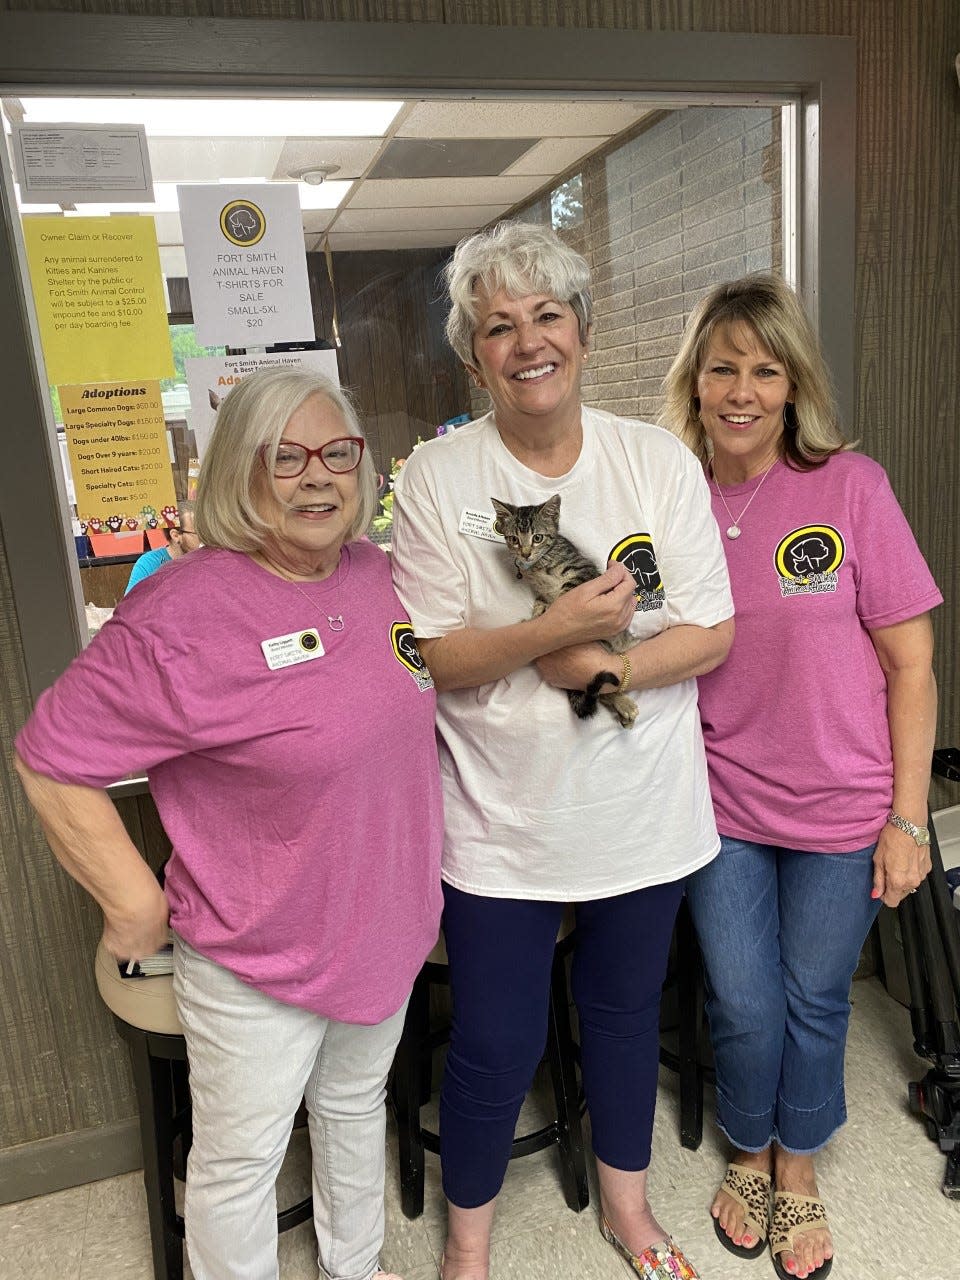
[329,195]
[33,208]
[166,202]
[326,196]
[222,118]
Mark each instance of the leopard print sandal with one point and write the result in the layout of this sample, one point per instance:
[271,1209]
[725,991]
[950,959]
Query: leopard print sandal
[750,1188]
[793,1215]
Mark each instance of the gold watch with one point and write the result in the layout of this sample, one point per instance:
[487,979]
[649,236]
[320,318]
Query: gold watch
[920,834]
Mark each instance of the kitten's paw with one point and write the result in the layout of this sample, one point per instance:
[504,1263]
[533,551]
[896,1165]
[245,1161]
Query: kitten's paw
[622,707]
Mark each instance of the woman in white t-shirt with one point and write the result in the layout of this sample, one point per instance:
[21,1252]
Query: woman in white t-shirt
[542,808]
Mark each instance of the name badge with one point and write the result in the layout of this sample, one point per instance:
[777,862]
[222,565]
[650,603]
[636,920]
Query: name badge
[287,651]
[479,524]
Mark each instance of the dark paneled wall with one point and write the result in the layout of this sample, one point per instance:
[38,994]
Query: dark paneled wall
[59,1067]
[393,355]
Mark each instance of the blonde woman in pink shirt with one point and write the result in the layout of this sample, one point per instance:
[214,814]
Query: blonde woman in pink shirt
[258,682]
[819,733]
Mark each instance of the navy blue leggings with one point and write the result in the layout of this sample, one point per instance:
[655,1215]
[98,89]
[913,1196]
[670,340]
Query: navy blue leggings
[500,952]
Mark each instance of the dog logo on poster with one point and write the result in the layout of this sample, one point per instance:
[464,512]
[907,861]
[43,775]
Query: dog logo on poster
[243,223]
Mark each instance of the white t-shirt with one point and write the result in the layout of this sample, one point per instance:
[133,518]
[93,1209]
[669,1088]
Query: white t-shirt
[539,804]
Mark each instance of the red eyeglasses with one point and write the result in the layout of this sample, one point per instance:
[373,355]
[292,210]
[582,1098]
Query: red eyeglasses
[338,456]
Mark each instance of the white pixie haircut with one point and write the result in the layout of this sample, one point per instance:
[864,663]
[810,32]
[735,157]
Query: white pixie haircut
[520,258]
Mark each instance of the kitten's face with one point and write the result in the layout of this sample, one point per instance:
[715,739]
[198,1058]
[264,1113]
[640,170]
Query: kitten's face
[526,529]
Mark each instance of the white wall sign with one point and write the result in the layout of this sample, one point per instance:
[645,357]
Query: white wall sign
[246,264]
[209,379]
[77,164]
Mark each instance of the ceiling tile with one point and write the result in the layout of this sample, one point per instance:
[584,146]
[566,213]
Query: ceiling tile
[520,119]
[317,219]
[424,192]
[465,217]
[448,157]
[352,155]
[552,155]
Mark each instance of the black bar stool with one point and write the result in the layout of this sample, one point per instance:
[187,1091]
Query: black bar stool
[410,1085]
[682,1013]
[145,1015]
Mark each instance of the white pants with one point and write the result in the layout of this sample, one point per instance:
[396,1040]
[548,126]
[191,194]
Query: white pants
[252,1059]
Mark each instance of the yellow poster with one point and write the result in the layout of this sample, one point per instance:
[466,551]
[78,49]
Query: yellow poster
[119,457]
[99,297]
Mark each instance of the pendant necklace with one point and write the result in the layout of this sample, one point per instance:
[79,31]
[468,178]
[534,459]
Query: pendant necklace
[734,530]
[334,621]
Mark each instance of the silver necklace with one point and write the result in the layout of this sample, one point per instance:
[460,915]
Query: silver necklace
[334,621]
[734,530]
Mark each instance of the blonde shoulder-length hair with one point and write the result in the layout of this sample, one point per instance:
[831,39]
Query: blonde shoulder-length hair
[765,304]
[252,418]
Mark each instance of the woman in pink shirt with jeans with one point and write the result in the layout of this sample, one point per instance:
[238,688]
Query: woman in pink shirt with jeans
[268,686]
[819,733]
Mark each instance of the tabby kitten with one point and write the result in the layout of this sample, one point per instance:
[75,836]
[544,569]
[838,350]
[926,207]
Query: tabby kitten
[550,565]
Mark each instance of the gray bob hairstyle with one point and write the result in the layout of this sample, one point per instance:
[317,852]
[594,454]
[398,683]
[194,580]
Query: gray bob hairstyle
[766,304]
[521,258]
[253,415]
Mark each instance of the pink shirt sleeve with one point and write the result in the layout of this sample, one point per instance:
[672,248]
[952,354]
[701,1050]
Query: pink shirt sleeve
[116,709]
[894,583]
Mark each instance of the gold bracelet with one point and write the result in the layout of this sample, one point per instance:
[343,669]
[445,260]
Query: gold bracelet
[625,674]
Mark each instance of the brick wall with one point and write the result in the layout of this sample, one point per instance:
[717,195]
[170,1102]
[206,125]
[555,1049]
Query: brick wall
[690,201]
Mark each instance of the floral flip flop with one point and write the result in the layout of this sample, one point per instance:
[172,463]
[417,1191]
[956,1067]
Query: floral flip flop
[793,1215]
[663,1261]
[750,1188]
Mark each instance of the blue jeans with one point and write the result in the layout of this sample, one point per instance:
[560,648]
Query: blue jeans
[781,933]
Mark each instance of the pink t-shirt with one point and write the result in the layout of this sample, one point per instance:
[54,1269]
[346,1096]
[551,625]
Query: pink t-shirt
[303,801]
[795,720]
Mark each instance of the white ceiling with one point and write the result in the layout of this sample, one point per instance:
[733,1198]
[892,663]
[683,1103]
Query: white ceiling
[529,142]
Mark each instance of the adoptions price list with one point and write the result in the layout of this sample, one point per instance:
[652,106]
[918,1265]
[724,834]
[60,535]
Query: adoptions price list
[119,457]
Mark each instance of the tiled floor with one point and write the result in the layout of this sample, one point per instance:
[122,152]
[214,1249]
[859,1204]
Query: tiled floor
[880,1179]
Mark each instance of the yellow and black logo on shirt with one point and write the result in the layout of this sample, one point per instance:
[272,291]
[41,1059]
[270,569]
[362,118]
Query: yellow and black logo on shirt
[808,560]
[637,553]
[408,655]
